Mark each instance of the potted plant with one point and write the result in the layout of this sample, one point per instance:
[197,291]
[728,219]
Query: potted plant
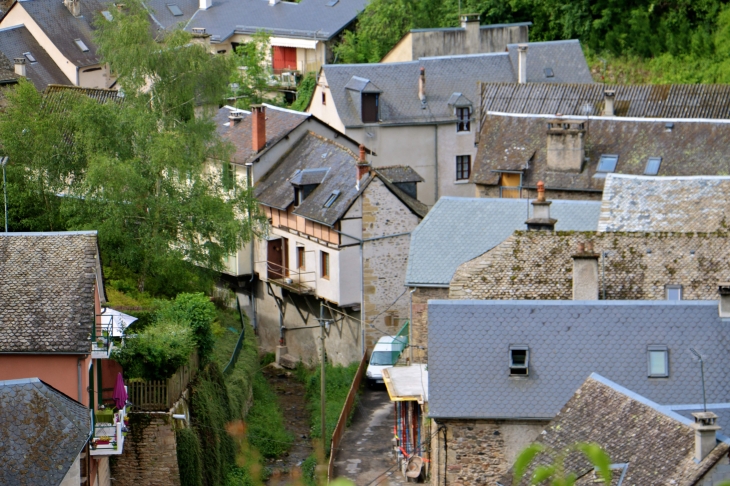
[114,444]
[100,343]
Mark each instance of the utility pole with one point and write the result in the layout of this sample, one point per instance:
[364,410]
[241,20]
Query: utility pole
[322,389]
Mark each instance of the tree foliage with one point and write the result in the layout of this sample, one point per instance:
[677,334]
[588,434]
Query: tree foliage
[554,472]
[253,73]
[196,311]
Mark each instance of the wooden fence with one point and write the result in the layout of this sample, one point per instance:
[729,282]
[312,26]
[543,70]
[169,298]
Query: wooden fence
[346,409]
[160,395]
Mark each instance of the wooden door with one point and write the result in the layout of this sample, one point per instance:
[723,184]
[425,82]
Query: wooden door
[285,58]
[275,259]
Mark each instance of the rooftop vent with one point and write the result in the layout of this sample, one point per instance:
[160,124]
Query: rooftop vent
[549,72]
[174,9]
[198,30]
[80,44]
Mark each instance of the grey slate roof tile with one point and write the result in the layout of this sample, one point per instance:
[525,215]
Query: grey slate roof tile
[47,291]
[15,41]
[459,229]
[399,102]
[568,340]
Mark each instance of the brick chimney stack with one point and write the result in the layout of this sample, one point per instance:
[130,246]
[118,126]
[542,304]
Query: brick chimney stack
[363,168]
[541,219]
[258,138]
[585,273]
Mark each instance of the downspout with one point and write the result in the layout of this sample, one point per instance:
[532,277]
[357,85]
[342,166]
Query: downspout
[410,328]
[249,183]
[436,162]
[78,363]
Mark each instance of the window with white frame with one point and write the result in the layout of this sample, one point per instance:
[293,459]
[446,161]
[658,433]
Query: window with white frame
[658,361]
[519,360]
[673,292]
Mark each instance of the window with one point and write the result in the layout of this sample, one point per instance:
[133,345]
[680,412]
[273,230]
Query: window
[652,166]
[463,167]
[674,292]
[301,264]
[324,98]
[80,44]
[370,107]
[519,360]
[29,57]
[331,200]
[174,9]
[607,163]
[463,116]
[548,72]
[298,197]
[325,265]
[658,361]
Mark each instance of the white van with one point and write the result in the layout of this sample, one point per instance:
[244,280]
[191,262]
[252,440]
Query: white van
[385,355]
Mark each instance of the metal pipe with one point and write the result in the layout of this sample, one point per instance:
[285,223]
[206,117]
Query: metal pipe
[410,328]
[702,374]
[322,384]
[249,184]
[78,363]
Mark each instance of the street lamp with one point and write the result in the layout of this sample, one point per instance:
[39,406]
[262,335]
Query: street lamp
[3,163]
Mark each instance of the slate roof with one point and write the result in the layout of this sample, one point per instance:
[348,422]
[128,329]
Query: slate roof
[445,76]
[646,101]
[63,28]
[646,203]
[41,433]
[54,96]
[519,143]
[163,17]
[14,42]
[458,229]
[308,19]
[637,266]
[656,444]
[279,123]
[568,340]
[47,291]
[399,173]
[313,151]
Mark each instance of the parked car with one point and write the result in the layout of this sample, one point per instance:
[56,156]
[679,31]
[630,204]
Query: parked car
[385,355]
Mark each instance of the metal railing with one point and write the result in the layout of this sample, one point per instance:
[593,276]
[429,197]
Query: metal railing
[401,338]
[346,409]
[102,338]
[161,395]
[303,282]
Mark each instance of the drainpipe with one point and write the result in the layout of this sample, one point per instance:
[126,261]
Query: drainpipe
[249,183]
[410,328]
[436,161]
[78,363]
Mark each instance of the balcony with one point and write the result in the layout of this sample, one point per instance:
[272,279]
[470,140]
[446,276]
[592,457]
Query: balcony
[109,431]
[298,281]
[102,344]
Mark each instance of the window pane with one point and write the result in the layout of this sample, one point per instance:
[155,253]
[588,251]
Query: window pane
[607,163]
[519,357]
[652,165]
[674,293]
[658,363]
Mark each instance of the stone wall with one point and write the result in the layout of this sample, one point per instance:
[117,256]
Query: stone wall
[150,453]
[478,452]
[386,302]
[550,194]
[419,326]
[539,265]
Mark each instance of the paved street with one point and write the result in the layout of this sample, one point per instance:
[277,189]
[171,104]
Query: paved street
[365,455]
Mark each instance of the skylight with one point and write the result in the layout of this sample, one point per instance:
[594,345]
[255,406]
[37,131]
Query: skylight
[652,166]
[107,15]
[174,9]
[658,357]
[607,163]
[29,56]
[332,3]
[330,200]
[80,44]
[549,72]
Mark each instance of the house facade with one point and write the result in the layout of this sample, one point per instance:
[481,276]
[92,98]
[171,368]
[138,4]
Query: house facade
[425,112]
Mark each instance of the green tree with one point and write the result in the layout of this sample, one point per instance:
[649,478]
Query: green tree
[198,312]
[254,72]
[554,471]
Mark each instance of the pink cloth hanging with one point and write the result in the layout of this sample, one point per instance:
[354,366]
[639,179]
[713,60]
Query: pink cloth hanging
[120,393]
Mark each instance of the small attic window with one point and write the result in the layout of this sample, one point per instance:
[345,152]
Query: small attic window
[369,107]
[330,200]
[549,72]
[607,163]
[80,44]
[174,9]
[519,360]
[652,166]
[29,57]
[673,292]
[658,357]
[107,15]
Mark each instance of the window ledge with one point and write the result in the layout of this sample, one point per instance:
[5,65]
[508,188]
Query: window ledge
[462,181]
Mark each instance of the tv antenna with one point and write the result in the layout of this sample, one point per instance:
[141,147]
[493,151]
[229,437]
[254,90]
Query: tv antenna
[702,371]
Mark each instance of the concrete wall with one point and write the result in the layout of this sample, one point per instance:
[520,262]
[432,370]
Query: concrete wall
[419,326]
[327,112]
[59,371]
[150,453]
[307,59]
[718,473]
[93,77]
[450,144]
[479,451]
[386,300]
[403,50]
[73,475]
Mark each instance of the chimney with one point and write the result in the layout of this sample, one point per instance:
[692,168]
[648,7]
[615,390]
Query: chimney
[470,23]
[235,117]
[363,168]
[565,145]
[73,6]
[205,4]
[585,273]
[522,63]
[422,87]
[723,289]
[541,219]
[258,137]
[20,68]
[608,97]
[705,439]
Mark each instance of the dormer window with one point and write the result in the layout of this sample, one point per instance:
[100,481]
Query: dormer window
[463,119]
[370,102]
[298,196]
[519,360]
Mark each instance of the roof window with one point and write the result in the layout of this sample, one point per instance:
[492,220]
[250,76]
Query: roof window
[80,44]
[107,15]
[549,72]
[332,3]
[174,9]
[331,200]
[29,57]
[673,292]
[607,163]
[652,166]
[658,360]
[519,360]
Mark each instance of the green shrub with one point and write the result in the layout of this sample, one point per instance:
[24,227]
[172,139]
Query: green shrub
[265,421]
[189,458]
[305,91]
[157,352]
[309,471]
[199,312]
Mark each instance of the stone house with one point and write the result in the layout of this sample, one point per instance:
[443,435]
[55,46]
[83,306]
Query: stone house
[425,111]
[336,249]
[468,38]
[500,371]
[51,328]
[457,230]
[647,443]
